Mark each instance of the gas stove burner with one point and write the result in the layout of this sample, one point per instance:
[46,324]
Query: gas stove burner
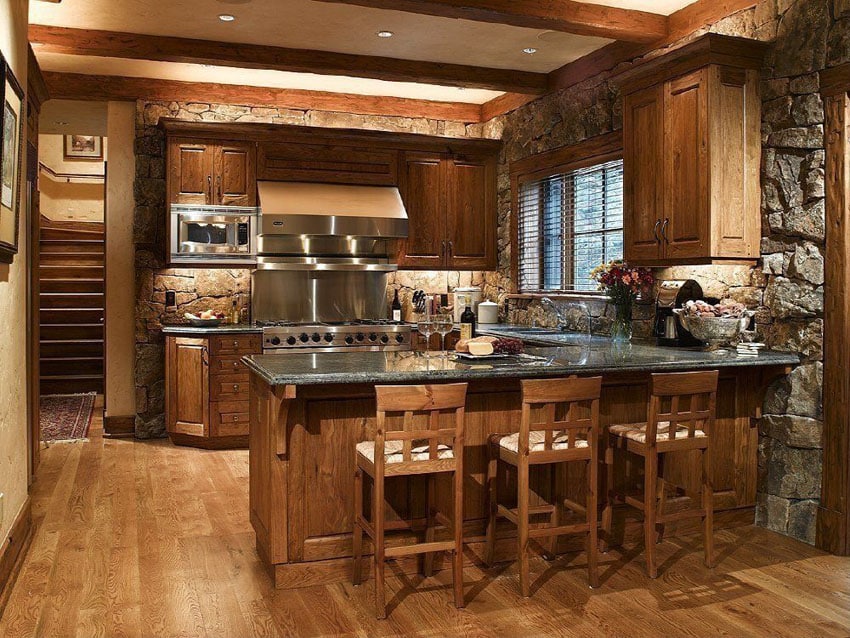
[347,336]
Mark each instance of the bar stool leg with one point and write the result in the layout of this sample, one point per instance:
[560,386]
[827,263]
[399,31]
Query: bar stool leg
[380,562]
[650,500]
[556,479]
[457,563]
[708,507]
[608,510]
[661,489]
[357,541]
[592,532]
[522,526]
[430,504]
[492,503]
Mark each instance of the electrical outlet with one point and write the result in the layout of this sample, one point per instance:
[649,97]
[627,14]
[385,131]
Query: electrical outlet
[170,300]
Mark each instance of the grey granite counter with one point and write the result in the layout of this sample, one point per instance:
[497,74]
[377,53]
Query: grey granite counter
[224,329]
[599,356]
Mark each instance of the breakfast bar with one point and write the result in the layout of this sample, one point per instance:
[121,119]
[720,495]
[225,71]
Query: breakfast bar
[308,411]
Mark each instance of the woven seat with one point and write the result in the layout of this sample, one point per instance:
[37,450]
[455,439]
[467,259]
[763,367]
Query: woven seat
[393,451]
[536,441]
[637,432]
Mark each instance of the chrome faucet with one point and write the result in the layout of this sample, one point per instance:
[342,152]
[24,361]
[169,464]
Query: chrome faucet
[562,320]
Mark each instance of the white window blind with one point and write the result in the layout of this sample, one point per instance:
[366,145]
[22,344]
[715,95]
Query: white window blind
[569,224]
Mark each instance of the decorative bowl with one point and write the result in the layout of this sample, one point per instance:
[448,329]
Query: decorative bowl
[716,332]
[205,323]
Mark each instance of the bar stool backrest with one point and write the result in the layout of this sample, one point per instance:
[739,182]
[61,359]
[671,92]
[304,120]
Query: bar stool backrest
[412,400]
[682,400]
[577,399]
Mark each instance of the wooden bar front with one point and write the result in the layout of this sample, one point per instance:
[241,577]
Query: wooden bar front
[302,441]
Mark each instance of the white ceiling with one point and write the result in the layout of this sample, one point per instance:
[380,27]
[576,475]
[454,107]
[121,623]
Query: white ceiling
[306,24]
[65,117]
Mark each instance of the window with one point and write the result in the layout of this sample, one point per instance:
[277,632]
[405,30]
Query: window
[568,224]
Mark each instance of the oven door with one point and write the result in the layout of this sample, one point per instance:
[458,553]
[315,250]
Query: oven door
[206,236]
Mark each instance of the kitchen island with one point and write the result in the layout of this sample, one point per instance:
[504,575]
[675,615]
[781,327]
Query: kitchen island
[308,411]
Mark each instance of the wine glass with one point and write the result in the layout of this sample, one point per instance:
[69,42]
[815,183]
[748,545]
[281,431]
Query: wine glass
[444,324]
[425,325]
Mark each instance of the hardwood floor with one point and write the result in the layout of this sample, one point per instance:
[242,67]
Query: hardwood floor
[147,539]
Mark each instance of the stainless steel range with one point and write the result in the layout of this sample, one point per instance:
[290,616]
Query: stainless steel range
[356,336]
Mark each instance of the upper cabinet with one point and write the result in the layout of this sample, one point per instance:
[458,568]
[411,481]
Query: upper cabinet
[692,150]
[451,207]
[211,172]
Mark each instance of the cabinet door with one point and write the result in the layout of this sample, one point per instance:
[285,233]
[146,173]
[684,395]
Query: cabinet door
[686,234]
[235,174]
[188,381]
[471,214]
[423,188]
[190,170]
[643,157]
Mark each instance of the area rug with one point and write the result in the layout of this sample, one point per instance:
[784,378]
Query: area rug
[66,417]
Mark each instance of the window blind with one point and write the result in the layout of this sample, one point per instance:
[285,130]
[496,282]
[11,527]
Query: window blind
[567,225]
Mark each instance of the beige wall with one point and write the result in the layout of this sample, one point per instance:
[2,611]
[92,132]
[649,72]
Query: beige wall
[13,310]
[78,200]
[120,272]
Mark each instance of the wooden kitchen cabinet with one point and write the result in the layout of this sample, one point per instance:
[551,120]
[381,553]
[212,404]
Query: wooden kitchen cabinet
[209,172]
[207,388]
[691,154]
[451,208]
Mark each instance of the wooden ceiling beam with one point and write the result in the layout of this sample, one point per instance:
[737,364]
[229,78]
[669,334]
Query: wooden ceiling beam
[252,56]
[74,86]
[568,16]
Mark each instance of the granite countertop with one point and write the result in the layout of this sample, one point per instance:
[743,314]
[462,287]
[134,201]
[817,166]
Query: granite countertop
[223,329]
[599,356]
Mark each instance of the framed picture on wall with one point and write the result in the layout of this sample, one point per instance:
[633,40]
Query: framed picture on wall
[83,147]
[11,155]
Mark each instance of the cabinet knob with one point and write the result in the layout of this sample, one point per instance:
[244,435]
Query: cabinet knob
[235,365]
[235,417]
[236,387]
[235,343]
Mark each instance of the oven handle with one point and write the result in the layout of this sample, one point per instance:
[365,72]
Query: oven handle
[318,267]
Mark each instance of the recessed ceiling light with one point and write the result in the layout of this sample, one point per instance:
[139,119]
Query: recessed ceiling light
[529,50]
[227,17]
[385,34]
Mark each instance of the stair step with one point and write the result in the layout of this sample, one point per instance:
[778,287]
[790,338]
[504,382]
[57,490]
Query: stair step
[71,384]
[71,259]
[50,366]
[65,246]
[64,332]
[52,300]
[63,234]
[70,348]
[72,285]
[48,271]
[71,316]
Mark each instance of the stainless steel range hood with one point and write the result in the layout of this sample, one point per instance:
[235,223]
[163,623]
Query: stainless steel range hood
[307,219]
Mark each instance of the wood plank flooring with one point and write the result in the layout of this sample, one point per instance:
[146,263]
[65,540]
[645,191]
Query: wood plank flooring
[147,539]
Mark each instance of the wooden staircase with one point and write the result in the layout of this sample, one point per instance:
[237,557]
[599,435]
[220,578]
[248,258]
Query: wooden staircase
[71,306]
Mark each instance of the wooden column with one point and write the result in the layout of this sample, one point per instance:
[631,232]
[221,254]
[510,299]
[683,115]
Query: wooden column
[833,513]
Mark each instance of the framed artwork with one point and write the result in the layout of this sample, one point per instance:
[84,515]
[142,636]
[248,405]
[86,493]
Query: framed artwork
[11,155]
[83,147]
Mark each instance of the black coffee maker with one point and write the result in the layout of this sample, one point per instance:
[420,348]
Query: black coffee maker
[673,293]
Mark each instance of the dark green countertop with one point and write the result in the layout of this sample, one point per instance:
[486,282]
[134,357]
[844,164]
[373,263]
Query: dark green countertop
[224,329]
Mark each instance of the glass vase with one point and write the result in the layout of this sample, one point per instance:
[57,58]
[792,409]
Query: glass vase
[621,327]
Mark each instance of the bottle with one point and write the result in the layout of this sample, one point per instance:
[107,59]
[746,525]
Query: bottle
[467,323]
[234,313]
[396,307]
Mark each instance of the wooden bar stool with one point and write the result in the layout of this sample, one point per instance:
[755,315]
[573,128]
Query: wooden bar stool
[407,452]
[573,438]
[680,417]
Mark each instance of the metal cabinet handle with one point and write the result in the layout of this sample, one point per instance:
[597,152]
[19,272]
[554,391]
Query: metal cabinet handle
[655,231]
[443,249]
[664,230]
[218,187]
[451,247]
[209,188]
[205,358]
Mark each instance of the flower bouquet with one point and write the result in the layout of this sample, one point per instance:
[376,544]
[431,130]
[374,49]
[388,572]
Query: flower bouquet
[622,284]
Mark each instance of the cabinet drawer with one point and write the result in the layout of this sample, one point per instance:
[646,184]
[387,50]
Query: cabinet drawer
[231,364]
[240,344]
[229,418]
[229,388]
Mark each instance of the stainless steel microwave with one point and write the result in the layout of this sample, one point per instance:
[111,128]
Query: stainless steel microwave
[213,233]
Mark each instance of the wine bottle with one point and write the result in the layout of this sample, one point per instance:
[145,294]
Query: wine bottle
[234,312]
[467,323]
[396,307]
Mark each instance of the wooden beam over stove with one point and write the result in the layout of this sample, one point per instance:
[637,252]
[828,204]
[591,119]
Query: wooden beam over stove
[569,16]
[252,56]
[75,86]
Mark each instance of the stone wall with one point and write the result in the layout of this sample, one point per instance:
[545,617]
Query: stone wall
[199,289]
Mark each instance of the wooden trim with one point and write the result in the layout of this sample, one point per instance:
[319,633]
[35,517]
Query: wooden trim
[835,81]
[77,86]
[503,104]
[54,39]
[13,550]
[37,89]
[119,426]
[594,150]
[568,16]
[833,521]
